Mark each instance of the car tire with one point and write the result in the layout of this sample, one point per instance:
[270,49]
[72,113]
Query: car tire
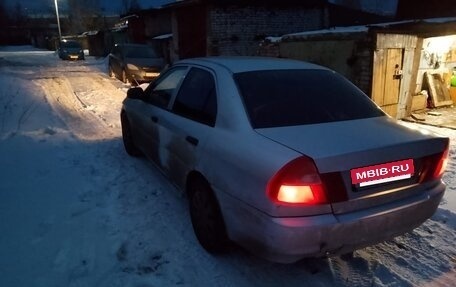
[124,77]
[206,217]
[127,137]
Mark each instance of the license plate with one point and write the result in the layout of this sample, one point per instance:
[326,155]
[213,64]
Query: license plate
[152,74]
[73,57]
[382,173]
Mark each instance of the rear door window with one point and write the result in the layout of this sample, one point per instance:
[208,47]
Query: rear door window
[197,99]
[161,91]
[300,97]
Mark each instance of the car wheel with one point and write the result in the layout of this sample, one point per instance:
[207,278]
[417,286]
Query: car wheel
[124,77]
[127,137]
[206,217]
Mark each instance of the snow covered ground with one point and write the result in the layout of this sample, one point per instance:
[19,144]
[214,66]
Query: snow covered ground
[76,211]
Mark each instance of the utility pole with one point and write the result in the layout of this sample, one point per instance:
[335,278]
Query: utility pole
[58,19]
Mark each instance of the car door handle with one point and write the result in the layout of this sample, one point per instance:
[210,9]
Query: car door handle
[154,119]
[192,140]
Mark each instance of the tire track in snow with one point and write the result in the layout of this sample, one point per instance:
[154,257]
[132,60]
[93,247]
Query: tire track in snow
[100,97]
[414,258]
[20,106]
[60,95]
[86,258]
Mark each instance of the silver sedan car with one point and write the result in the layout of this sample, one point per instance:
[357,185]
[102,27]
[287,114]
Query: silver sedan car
[286,158]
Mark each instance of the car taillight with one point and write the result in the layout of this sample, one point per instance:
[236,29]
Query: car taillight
[434,165]
[298,182]
[441,166]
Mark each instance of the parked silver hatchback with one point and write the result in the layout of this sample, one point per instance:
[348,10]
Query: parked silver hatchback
[285,158]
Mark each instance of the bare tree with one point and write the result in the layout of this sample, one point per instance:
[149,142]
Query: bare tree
[84,15]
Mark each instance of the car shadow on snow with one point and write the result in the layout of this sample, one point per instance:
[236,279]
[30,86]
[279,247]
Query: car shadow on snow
[423,257]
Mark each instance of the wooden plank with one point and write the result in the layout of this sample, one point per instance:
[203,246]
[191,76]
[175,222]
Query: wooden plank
[414,75]
[405,95]
[390,110]
[439,93]
[378,77]
[418,117]
[392,84]
[419,102]
[395,41]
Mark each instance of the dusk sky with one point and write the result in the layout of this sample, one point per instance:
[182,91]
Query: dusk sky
[107,5]
[386,7]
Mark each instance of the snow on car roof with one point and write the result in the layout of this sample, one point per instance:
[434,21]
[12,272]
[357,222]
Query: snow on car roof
[247,64]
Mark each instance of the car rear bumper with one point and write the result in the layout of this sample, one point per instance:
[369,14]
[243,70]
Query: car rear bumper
[290,239]
[72,57]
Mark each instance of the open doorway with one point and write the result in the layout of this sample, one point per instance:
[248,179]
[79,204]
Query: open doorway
[435,72]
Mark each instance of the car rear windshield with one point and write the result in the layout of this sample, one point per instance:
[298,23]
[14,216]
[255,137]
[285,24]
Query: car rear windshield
[70,44]
[300,97]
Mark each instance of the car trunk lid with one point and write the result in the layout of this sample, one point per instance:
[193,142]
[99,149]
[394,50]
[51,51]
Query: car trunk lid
[340,148]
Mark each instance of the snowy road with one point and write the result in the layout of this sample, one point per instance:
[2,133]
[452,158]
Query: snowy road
[75,210]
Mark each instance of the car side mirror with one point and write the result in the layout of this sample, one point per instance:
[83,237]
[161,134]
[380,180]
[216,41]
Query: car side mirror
[135,93]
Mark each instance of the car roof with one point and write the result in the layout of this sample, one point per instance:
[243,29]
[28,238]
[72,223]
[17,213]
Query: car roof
[248,64]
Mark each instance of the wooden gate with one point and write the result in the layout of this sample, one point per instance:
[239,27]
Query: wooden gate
[387,78]
[393,61]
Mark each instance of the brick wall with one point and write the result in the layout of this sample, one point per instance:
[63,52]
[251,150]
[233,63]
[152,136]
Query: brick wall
[362,67]
[349,56]
[156,24]
[239,30]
